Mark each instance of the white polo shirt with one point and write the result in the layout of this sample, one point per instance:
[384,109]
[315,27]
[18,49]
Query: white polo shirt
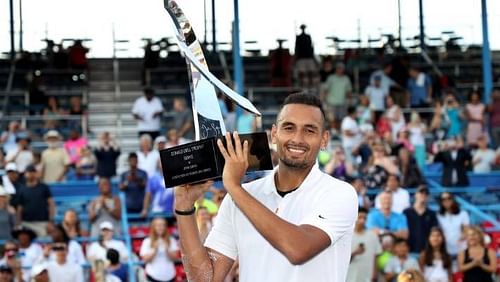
[321,201]
[146,110]
[400,200]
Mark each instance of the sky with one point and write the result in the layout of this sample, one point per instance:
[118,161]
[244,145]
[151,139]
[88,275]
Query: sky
[261,20]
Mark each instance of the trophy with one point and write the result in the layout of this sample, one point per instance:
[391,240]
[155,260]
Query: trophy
[201,160]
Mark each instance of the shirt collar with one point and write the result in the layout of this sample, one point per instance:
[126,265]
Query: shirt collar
[270,184]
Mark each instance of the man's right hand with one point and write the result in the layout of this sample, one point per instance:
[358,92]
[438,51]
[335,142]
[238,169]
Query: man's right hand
[186,195]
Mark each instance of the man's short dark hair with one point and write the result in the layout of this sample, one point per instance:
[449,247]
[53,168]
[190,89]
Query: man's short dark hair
[132,155]
[149,91]
[304,99]
[400,241]
[351,110]
[362,210]
[113,256]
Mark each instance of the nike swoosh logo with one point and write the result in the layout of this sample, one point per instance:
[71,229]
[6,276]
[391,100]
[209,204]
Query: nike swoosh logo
[320,216]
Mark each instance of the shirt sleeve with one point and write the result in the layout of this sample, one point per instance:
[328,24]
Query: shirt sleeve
[173,246]
[335,212]
[145,247]
[222,237]
[135,107]
[402,223]
[370,221]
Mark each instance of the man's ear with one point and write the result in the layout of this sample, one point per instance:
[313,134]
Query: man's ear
[325,138]
[273,134]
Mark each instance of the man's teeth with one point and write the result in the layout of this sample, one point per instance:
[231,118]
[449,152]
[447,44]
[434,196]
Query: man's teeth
[296,150]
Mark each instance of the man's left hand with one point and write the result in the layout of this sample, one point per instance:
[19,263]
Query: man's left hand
[236,160]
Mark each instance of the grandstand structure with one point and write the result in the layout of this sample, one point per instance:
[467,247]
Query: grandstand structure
[109,86]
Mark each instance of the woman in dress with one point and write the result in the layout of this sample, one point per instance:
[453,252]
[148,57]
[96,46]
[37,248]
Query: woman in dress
[435,261]
[159,251]
[475,113]
[477,262]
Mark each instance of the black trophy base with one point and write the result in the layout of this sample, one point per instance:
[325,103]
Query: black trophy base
[201,160]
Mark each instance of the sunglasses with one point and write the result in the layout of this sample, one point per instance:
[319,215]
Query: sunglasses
[59,248]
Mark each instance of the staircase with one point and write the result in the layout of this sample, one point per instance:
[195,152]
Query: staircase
[109,110]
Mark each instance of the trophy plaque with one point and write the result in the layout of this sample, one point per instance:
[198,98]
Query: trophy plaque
[201,160]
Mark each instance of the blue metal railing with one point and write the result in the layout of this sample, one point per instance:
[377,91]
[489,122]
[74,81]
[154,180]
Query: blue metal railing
[474,210]
[126,235]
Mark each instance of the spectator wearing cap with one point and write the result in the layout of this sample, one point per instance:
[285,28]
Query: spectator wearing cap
[420,220]
[7,216]
[384,74]
[10,266]
[160,142]
[61,269]
[133,183]
[55,160]
[351,133]
[147,110]
[29,251]
[336,90]
[98,250]
[8,137]
[105,208]
[106,153]
[382,220]
[359,185]
[22,155]
[39,273]
[400,197]
[12,181]
[35,203]
[147,156]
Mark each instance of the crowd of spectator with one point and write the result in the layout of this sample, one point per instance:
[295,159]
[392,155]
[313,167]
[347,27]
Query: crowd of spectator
[382,145]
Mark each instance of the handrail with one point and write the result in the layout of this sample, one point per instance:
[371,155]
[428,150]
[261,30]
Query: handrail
[468,206]
[126,235]
[8,87]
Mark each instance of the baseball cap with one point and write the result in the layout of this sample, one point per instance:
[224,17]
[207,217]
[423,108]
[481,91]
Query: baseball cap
[423,189]
[52,134]
[160,139]
[30,168]
[11,167]
[106,225]
[37,269]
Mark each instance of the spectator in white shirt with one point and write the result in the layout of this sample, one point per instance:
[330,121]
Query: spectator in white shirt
[483,158]
[22,156]
[98,250]
[147,157]
[351,134]
[62,270]
[73,250]
[147,110]
[29,251]
[376,93]
[400,197]
[158,251]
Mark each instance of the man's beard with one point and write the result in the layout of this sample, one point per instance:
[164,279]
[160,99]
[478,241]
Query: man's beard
[298,164]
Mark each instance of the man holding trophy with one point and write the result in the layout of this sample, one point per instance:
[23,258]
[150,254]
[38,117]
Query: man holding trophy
[295,224]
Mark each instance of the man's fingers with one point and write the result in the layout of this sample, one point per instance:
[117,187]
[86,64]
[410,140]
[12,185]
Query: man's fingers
[237,144]
[229,145]
[222,149]
[245,149]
